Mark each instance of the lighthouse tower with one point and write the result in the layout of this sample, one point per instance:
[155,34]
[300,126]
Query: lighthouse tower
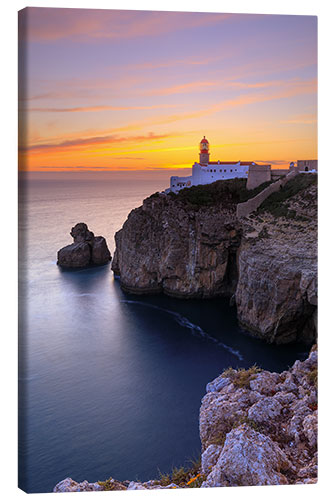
[204,151]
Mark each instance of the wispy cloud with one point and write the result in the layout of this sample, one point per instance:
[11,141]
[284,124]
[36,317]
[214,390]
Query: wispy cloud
[92,141]
[202,60]
[183,88]
[85,109]
[305,119]
[86,25]
[296,88]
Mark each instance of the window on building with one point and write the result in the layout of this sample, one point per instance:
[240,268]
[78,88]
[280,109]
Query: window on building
[231,170]
[214,170]
[225,170]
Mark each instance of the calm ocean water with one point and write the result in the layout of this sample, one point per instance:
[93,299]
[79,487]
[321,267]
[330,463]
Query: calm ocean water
[110,383]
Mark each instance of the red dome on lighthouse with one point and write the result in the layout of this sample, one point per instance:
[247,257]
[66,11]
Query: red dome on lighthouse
[204,144]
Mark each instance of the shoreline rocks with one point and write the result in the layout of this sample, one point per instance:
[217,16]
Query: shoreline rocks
[256,428]
[87,249]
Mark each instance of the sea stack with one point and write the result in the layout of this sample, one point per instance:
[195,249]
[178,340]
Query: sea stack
[87,249]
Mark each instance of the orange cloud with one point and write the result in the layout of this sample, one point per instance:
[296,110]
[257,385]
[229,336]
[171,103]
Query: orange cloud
[184,88]
[91,141]
[97,108]
[194,61]
[306,119]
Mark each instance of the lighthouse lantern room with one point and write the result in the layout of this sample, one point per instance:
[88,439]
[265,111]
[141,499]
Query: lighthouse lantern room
[204,151]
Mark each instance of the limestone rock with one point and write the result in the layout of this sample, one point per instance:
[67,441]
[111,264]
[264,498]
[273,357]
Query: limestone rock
[256,428]
[264,382]
[219,412]
[273,299]
[167,246]
[75,255]
[210,457]
[68,485]
[266,408]
[310,428]
[99,252]
[279,407]
[135,486]
[86,250]
[172,247]
[249,458]
[217,384]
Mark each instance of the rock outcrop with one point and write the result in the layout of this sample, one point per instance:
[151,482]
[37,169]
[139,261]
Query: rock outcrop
[276,294]
[260,427]
[69,485]
[267,262]
[256,428]
[87,249]
[165,246]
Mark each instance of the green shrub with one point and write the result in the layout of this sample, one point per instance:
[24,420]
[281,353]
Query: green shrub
[185,477]
[276,202]
[241,378]
[313,376]
[229,192]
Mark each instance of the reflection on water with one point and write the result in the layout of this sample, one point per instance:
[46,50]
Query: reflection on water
[111,383]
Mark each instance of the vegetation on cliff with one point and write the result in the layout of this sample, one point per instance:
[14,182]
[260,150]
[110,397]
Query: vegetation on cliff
[278,204]
[228,192]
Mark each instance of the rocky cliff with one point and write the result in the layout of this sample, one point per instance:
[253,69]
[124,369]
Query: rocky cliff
[168,246]
[193,245]
[256,428]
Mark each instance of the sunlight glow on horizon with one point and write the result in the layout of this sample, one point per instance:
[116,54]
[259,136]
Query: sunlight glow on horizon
[135,90]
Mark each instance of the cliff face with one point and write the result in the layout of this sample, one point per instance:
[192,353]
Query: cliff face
[276,294]
[256,428]
[267,261]
[167,246]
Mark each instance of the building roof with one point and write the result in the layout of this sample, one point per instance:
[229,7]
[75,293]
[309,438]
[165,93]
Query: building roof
[204,140]
[229,163]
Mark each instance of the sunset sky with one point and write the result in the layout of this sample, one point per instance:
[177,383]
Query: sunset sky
[137,90]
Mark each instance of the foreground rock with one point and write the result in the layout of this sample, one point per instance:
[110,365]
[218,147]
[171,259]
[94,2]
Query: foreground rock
[186,246]
[261,428]
[256,428]
[68,485]
[86,250]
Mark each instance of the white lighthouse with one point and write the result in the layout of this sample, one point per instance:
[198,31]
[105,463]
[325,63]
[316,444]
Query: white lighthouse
[206,172]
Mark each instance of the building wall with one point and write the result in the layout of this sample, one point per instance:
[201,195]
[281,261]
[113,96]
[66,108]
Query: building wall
[244,209]
[257,175]
[307,164]
[277,173]
[208,174]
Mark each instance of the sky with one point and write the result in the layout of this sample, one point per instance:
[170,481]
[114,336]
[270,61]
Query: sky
[112,90]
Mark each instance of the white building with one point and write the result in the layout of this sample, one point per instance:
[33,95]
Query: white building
[206,172]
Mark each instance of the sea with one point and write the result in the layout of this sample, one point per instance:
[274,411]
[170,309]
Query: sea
[110,384]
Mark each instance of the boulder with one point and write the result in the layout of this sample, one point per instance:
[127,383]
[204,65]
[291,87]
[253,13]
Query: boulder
[249,458]
[74,255]
[265,409]
[68,485]
[87,249]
